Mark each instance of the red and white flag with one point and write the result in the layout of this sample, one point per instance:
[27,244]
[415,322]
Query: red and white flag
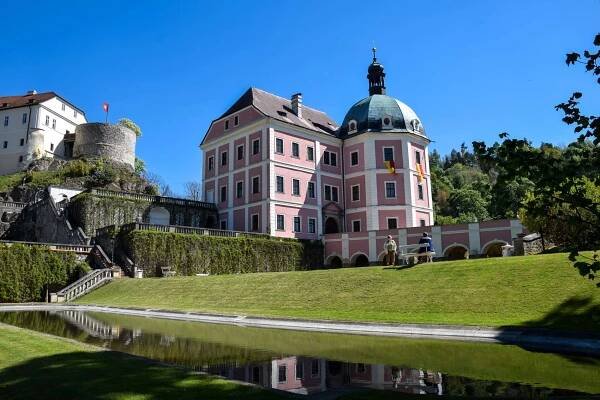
[105,107]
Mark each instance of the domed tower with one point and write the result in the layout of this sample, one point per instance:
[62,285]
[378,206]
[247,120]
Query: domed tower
[386,162]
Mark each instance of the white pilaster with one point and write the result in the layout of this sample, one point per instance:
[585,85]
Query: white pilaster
[373,246]
[377,376]
[474,242]
[318,188]
[436,238]
[515,228]
[345,247]
[402,237]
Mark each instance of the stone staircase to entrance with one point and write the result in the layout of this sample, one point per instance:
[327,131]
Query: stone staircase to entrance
[91,281]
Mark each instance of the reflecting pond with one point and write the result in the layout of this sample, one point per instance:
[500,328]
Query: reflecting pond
[310,363]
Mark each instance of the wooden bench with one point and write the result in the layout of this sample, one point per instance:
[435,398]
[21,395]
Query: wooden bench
[167,272]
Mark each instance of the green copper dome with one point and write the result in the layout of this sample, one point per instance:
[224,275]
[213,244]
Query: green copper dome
[379,112]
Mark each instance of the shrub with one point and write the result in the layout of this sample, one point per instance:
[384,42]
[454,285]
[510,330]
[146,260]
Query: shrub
[26,273]
[77,168]
[127,123]
[193,254]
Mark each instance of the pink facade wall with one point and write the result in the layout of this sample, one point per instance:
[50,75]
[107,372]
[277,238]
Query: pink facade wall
[291,383]
[333,246]
[387,177]
[328,168]
[239,217]
[361,216]
[289,213]
[486,237]
[348,150]
[287,157]
[413,148]
[357,180]
[223,169]
[217,128]
[419,215]
[209,173]
[222,182]
[224,217]
[400,216]
[239,177]
[253,197]
[288,176]
[396,145]
[450,238]
[239,142]
[328,180]
[358,246]
[208,186]
[255,158]
[502,223]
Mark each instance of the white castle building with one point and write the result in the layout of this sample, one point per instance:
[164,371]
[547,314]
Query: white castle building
[36,125]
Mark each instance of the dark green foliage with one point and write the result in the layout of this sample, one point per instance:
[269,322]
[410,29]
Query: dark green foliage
[195,254]
[26,273]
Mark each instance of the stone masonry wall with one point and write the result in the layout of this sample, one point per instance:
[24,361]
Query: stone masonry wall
[114,142]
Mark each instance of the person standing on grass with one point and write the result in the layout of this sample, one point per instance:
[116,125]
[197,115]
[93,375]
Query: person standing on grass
[390,248]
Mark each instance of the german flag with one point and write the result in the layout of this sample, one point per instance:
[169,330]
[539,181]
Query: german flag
[421,175]
[391,166]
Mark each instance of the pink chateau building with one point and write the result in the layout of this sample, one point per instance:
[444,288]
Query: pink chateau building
[275,166]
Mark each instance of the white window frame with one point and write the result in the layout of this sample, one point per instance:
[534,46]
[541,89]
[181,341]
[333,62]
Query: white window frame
[252,222]
[237,152]
[387,222]
[311,153]
[236,190]
[252,180]
[359,225]
[301,365]
[420,192]
[279,373]
[393,153]
[299,218]
[47,120]
[277,177]
[258,147]
[211,163]
[422,222]
[277,228]
[314,228]
[54,123]
[352,193]
[299,191]
[314,191]
[279,140]
[6,119]
[384,125]
[352,129]
[297,145]
[226,158]
[226,124]
[63,106]
[357,159]
[329,157]
[221,194]
[236,120]
[417,157]
[385,190]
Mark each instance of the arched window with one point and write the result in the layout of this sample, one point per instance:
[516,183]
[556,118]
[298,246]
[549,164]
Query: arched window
[386,122]
[352,126]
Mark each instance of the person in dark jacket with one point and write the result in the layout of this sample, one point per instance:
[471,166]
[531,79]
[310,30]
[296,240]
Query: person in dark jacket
[426,240]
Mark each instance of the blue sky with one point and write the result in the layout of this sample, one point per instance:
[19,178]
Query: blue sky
[470,69]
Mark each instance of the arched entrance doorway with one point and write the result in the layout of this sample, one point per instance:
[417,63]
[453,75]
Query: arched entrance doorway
[159,216]
[335,262]
[331,225]
[456,253]
[361,261]
[494,249]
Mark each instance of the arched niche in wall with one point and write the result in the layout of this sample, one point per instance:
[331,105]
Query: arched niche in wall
[159,216]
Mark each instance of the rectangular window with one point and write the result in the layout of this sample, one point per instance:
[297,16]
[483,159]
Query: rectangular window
[326,158]
[236,120]
[53,123]
[24,118]
[310,153]
[315,368]
[388,154]
[224,158]
[211,163]
[327,192]
[356,193]
[356,226]
[422,222]
[295,150]
[63,106]
[223,224]
[354,158]
[255,185]
[390,190]
[297,226]
[255,146]
[296,187]
[75,113]
[51,146]
[47,122]
[420,191]
[5,144]
[256,374]
[280,222]
[278,145]
[6,121]
[392,223]
[312,225]
[333,159]
[239,189]
[223,197]
[334,194]
[299,370]
[240,152]
[20,158]
[418,157]
[22,143]
[279,184]
[311,190]
[226,124]
[255,227]
[282,375]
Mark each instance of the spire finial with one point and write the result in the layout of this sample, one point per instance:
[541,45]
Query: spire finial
[374,50]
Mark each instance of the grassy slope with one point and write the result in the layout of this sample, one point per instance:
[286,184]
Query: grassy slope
[483,361]
[543,290]
[34,366]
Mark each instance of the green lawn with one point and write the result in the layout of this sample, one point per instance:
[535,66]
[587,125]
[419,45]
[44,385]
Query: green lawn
[34,366]
[543,290]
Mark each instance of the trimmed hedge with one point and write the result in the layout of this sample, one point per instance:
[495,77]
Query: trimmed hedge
[27,273]
[194,254]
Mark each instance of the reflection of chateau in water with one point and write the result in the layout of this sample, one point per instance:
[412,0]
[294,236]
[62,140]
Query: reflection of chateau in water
[305,375]
[89,325]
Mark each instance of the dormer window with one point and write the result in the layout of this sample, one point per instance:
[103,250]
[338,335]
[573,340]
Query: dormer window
[352,126]
[386,122]
[415,124]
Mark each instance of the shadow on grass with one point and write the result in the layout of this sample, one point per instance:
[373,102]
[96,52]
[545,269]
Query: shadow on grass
[588,266]
[112,375]
[401,267]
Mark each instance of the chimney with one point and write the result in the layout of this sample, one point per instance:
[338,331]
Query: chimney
[31,92]
[297,104]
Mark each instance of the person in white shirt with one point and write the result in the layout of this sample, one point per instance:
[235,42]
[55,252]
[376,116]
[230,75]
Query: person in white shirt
[390,248]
